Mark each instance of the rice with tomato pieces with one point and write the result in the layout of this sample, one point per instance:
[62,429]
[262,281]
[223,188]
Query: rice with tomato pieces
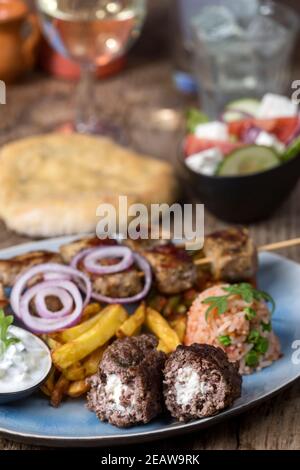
[243,329]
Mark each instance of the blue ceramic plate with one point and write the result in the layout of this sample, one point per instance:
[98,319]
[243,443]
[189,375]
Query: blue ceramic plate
[33,420]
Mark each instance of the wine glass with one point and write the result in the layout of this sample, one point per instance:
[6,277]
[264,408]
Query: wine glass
[92,33]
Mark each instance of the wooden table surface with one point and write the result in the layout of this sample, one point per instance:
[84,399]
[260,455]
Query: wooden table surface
[134,99]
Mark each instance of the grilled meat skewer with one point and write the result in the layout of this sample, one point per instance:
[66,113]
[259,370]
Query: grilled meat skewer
[172,267]
[233,255]
[232,252]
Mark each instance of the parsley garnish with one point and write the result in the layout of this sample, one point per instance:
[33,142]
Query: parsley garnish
[244,290]
[253,337]
[250,313]
[251,359]
[220,303]
[5,322]
[260,343]
[249,293]
[266,326]
[225,340]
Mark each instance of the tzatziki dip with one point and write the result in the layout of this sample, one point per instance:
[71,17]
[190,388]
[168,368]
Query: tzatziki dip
[24,360]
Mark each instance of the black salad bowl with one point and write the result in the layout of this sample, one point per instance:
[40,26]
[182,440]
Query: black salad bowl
[240,199]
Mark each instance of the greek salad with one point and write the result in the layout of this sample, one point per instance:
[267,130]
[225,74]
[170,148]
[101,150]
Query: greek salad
[250,136]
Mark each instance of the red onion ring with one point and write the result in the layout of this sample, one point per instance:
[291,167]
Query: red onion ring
[90,261]
[145,267]
[54,276]
[92,256]
[50,321]
[47,325]
[251,134]
[47,268]
[74,262]
[47,289]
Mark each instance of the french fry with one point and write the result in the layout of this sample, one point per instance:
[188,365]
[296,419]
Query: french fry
[48,385]
[162,347]
[72,333]
[51,379]
[133,324]
[52,343]
[178,323]
[78,388]
[91,363]
[90,310]
[158,325]
[74,372]
[110,320]
[45,390]
[89,366]
[59,390]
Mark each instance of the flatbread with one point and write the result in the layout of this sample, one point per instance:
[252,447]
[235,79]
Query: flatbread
[52,184]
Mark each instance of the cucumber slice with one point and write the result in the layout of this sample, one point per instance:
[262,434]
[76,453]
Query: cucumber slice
[248,160]
[246,105]
[232,115]
[292,151]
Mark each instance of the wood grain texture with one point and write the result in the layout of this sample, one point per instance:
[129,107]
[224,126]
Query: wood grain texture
[134,99]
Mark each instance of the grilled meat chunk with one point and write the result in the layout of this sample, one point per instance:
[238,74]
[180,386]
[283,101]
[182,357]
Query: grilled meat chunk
[141,245]
[199,381]
[11,268]
[173,269]
[233,253]
[69,250]
[119,285]
[127,389]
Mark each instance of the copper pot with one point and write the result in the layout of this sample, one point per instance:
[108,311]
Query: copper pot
[19,38]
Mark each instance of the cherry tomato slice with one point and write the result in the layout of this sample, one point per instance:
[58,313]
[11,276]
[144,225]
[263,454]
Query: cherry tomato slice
[283,128]
[194,145]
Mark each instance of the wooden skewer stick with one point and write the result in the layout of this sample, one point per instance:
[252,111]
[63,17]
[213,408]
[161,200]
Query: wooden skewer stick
[270,247]
[280,245]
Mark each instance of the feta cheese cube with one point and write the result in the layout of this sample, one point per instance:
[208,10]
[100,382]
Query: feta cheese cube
[205,162]
[274,106]
[270,140]
[214,130]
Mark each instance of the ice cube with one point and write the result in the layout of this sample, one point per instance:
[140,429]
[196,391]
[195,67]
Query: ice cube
[215,23]
[243,10]
[264,27]
[271,33]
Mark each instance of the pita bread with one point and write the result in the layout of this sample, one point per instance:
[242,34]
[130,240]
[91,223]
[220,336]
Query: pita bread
[52,184]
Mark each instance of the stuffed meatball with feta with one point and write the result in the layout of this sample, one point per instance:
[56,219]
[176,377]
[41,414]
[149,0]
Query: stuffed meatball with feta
[127,389]
[199,381]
